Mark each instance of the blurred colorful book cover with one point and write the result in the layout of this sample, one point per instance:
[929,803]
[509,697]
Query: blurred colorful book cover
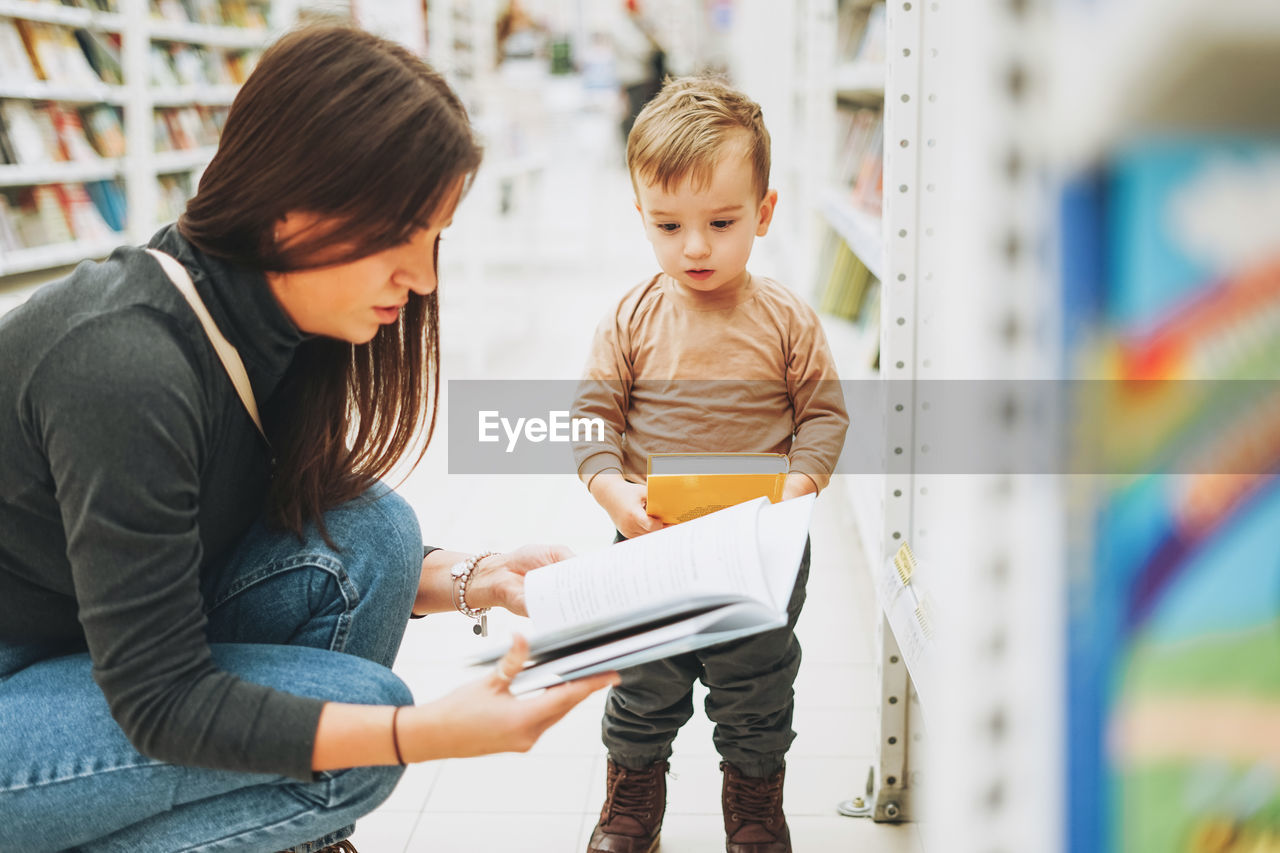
[1174,644]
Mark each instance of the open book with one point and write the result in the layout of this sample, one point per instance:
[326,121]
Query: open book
[684,486]
[717,578]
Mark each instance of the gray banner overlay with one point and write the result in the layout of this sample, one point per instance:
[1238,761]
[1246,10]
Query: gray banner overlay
[511,427]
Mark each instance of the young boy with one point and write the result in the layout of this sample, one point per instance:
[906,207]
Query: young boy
[763,381]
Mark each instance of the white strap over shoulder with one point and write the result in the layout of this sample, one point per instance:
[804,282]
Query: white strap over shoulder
[227,353]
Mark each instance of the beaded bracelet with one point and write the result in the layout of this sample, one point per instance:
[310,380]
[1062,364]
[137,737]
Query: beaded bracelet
[461,572]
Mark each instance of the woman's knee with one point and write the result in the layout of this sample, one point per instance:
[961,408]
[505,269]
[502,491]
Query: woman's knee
[380,518]
[373,684]
[316,673]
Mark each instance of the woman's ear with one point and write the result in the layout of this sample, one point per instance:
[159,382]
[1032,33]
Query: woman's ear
[767,205]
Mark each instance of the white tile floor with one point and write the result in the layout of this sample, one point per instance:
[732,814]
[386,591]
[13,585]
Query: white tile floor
[520,298]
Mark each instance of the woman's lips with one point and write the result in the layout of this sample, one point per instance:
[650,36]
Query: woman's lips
[387,315]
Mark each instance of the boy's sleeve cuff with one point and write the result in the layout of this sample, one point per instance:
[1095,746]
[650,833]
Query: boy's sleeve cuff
[595,464]
[820,478]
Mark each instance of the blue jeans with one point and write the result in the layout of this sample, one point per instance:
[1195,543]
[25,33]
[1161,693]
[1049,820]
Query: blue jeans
[297,616]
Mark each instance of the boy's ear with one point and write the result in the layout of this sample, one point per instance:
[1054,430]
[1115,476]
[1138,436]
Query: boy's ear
[767,205]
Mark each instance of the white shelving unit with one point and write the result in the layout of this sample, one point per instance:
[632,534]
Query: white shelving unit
[891,247]
[61,173]
[52,13]
[41,91]
[140,167]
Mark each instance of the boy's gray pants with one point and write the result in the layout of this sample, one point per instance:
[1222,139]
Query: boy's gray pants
[750,698]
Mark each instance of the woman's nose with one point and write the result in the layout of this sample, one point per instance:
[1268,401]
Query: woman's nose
[418,269]
[422,280]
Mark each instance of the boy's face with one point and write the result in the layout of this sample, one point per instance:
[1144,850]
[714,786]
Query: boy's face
[702,237]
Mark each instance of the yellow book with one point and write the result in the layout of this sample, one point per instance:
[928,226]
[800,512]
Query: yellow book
[684,486]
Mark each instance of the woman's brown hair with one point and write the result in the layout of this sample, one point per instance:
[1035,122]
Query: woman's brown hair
[338,122]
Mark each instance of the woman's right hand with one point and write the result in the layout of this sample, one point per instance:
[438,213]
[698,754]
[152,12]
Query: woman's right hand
[625,503]
[484,717]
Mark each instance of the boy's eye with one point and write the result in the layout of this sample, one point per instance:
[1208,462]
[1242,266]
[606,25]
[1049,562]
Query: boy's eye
[722,224]
[667,226]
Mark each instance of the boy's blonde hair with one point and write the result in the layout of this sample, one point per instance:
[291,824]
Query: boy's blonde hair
[683,132]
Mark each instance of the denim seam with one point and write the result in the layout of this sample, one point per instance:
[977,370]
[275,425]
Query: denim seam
[334,568]
[309,808]
[8,789]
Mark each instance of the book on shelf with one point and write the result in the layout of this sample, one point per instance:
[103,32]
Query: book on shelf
[55,55]
[109,198]
[8,156]
[174,192]
[50,214]
[29,133]
[218,13]
[103,52]
[860,32]
[105,129]
[847,279]
[33,134]
[186,128]
[178,64]
[872,38]
[860,157]
[73,142]
[684,486]
[9,239]
[1171,614]
[51,223]
[717,578]
[86,222]
[15,65]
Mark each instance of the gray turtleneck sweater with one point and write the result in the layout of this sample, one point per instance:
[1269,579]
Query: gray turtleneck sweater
[127,465]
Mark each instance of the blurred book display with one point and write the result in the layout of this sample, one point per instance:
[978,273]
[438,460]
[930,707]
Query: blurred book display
[684,486]
[1174,658]
[65,174]
[860,156]
[717,578]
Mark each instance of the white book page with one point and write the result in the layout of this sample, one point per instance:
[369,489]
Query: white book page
[782,532]
[716,553]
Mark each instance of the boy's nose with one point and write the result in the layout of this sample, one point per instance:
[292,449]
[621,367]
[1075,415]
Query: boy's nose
[696,246]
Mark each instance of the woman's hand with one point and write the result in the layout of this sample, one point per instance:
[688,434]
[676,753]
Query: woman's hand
[498,581]
[484,717]
[625,503]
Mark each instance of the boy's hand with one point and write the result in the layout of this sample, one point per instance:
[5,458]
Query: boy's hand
[625,503]
[797,485]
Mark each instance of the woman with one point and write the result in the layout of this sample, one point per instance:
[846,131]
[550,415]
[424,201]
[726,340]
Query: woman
[196,619]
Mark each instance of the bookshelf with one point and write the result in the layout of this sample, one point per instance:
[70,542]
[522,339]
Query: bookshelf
[860,106]
[100,82]
[1016,135]
[460,44]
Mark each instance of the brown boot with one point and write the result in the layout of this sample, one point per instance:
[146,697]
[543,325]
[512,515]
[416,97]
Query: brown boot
[634,803]
[753,818]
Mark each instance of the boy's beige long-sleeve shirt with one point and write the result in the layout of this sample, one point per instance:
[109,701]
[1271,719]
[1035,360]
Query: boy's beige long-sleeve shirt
[677,370]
